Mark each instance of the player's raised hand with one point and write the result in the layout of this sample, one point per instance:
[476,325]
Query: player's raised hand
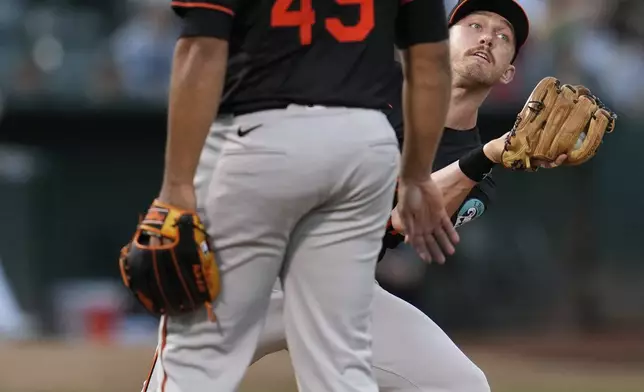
[550,165]
[494,151]
[427,226]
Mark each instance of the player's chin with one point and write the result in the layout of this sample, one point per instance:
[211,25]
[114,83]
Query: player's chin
[480,75]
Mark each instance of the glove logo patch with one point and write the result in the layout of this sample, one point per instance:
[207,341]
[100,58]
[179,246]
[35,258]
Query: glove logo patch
[204,248]
[471,209]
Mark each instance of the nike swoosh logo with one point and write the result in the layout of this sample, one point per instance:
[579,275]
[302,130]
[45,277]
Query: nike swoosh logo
[243,132]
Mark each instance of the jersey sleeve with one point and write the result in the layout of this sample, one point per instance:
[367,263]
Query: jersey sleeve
[477,202]
[205,18]
[421,21]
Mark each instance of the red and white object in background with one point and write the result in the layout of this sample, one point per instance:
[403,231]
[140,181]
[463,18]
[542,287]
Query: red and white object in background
[89,310]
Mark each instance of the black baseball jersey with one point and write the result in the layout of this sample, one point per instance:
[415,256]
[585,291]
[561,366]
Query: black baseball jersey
[453,145]
[311,52]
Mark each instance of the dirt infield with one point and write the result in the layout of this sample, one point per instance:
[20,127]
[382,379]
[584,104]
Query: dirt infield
[519,365]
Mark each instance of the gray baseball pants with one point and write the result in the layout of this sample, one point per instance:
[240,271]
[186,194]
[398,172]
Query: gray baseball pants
[410,352]
[304,198]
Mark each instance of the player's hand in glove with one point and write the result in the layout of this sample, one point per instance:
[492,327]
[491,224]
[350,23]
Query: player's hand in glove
[169,265]
[557,120]
[422,213]
[494,149]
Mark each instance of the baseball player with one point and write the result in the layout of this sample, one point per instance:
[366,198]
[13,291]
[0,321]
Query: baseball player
[294,180]
[411,353]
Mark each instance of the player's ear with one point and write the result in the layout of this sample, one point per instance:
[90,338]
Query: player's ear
[508,75]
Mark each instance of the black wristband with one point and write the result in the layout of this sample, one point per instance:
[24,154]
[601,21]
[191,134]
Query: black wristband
[475,165]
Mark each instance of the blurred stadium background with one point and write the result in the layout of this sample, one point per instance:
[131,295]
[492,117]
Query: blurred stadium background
[546,291]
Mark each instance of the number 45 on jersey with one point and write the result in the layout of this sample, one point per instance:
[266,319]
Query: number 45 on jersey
[304,19]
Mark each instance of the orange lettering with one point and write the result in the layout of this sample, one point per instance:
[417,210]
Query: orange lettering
[358,32]
[281,16]
[201,285]
[304,18]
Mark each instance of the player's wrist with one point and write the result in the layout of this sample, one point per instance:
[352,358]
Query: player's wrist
[476,164]
[415,172]
[416,177]
[493,149]
[180,196]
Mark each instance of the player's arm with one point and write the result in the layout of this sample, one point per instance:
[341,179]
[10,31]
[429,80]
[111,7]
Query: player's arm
[427,81]
[421,34]
[457,180]
[454,185]
[196,83]
[464,204]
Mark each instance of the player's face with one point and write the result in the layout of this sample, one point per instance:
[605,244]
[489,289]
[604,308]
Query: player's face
[482,47]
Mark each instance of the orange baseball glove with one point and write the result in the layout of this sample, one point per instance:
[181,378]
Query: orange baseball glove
[177,274]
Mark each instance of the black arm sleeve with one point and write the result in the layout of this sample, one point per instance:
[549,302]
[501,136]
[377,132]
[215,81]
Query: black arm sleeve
[420,21]
[478,201]
[475,204]
[206,18]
